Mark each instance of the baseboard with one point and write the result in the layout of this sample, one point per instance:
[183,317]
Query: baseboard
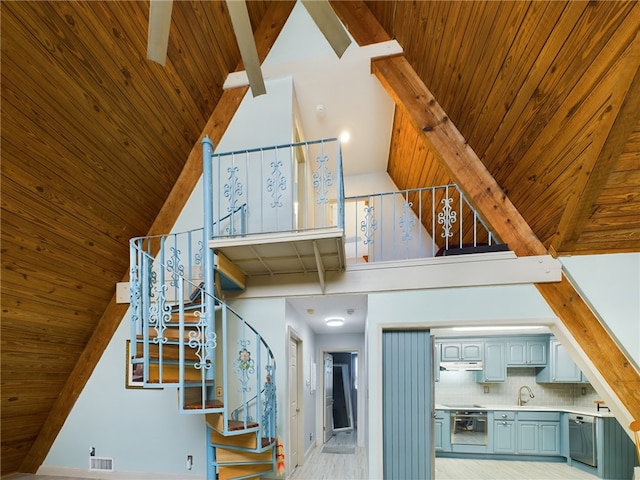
[85,473]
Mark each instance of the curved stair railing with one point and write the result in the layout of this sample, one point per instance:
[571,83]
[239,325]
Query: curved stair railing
[186,337]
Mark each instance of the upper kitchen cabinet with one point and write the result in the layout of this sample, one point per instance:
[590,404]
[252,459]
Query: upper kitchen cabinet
[495,366]
[561,367]
[527,352]
[457,351]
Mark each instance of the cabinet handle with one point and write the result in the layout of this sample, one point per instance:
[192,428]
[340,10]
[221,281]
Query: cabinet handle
[504,423]
[504,415]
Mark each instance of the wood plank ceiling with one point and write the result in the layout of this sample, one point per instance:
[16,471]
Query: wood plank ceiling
[94,137]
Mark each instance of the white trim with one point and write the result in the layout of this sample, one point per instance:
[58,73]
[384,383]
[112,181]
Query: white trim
[481,269]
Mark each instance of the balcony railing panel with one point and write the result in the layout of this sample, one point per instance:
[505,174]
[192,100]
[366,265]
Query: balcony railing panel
[411,224]
[283,188]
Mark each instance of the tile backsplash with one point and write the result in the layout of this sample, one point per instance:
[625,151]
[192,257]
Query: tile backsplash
[461,388]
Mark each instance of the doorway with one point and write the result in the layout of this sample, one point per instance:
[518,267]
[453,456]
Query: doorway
[340,393]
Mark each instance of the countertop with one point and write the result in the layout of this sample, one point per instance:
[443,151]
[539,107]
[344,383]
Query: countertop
[580,410]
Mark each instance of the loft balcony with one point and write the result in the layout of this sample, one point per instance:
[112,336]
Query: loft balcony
[282,209]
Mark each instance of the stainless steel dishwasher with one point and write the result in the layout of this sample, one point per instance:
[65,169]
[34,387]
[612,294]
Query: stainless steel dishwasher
[582,439]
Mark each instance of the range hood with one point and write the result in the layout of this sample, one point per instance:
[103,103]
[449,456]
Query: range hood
[460,366]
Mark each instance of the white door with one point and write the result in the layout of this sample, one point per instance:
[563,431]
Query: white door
[294,407]
[328,397]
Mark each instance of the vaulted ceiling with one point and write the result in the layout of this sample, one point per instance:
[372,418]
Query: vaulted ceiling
[94,138]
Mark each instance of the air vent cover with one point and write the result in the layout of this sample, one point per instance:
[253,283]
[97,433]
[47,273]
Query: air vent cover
[101,464]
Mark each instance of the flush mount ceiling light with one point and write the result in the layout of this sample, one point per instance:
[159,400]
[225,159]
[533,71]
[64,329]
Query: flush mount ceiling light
[334,321]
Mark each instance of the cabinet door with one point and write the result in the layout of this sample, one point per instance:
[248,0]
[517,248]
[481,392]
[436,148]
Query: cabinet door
[516,353]
[537,353]
[451,352]
[494,368]
[549,443]
[504,436]
[471,351]
[563,368]
[439,431]
[527,437]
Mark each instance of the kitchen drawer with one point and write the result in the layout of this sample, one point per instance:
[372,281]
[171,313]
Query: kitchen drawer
[539,416]
[504,415]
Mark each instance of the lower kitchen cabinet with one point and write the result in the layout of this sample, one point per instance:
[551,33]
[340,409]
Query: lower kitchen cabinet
[538,433]
[442,438]
[504,433]
[538,438]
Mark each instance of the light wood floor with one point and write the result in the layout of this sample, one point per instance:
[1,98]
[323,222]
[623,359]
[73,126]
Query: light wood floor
[327,466]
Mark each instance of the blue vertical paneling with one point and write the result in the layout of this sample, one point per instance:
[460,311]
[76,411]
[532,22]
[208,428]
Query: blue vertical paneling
[407,403]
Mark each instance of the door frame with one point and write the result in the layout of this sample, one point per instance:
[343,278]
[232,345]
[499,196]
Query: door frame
[293,336]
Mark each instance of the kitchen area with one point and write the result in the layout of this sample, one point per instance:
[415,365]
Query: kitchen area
[521,397]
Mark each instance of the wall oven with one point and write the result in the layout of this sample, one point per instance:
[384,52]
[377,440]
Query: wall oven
[469,427]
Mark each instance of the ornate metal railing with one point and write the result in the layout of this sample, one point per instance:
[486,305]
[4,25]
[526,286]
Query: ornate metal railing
[284,188]
[185,337]
[409,224]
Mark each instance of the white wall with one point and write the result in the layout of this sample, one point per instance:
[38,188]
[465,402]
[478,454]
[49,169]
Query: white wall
[140,429]
[611,283]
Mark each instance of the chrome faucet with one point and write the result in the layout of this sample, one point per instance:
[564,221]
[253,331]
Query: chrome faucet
[520,401]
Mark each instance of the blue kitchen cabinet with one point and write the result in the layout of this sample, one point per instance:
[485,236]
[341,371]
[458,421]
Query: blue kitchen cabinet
[494,367]
[461,351]
[561,367]
[442,439]
[504,432]
[538,433]
[527,352]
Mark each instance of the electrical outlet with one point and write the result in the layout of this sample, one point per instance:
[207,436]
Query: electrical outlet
[92,451]
[310,436]
[486,389]
[189,462]
[218,391]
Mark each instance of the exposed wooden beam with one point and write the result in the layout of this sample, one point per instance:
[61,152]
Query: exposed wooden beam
[265,36]
[626,97]
[458,158]
[467,170]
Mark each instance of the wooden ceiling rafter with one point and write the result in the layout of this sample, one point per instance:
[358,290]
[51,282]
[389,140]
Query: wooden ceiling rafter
[265,35]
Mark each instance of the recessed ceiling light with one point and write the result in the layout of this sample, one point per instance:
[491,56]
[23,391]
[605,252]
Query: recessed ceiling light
[334,321]
[345,136]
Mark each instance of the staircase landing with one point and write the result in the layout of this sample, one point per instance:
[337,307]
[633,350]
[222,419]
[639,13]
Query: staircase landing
[285,253]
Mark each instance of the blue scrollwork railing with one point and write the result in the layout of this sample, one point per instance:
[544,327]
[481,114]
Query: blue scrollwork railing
[285,188]
[410,224]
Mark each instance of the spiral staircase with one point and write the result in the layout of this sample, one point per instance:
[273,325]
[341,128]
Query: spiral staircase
[184,335]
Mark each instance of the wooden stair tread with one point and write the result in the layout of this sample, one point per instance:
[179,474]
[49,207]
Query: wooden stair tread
[235,425]
[208,404]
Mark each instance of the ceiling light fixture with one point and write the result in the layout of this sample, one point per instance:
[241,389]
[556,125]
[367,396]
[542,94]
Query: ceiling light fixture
[345,136]
[334,321]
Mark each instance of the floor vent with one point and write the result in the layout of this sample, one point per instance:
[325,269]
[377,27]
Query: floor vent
[101,464]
